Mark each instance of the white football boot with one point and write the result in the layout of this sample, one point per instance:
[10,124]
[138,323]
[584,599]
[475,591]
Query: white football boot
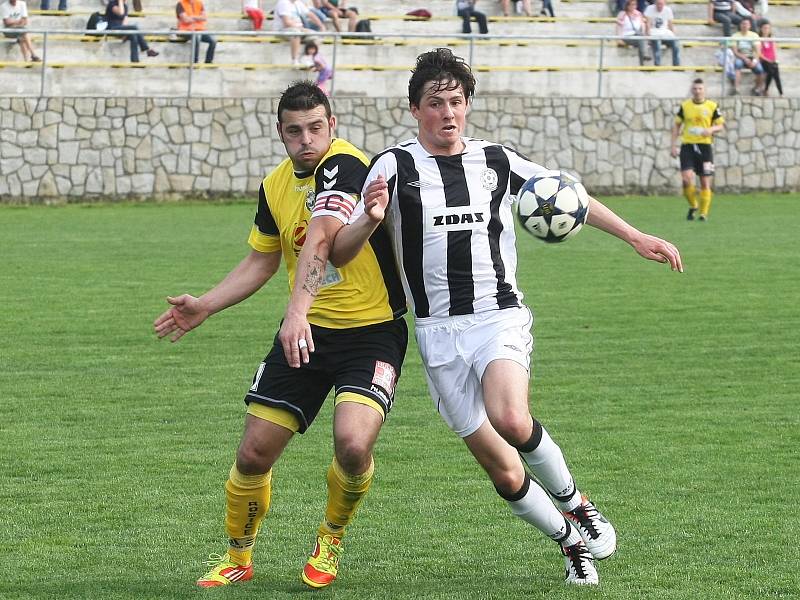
[579,565]
[597,533]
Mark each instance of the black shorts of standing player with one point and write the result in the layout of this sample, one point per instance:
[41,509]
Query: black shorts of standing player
[698,158]
[361,364]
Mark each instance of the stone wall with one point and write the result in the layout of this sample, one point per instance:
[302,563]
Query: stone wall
[84,149]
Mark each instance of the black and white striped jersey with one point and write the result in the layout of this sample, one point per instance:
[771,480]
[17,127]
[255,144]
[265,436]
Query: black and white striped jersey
[452,225]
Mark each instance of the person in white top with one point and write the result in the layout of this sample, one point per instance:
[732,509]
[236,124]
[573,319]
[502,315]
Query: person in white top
[659,24]
[447,203]
[14,14]
[288,16]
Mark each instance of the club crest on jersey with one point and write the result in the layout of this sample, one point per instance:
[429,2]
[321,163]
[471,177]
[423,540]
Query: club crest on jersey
[489,179]
[455,218]
[311,196]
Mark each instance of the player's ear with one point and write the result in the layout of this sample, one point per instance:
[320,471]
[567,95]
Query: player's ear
[279,130]
[332,123]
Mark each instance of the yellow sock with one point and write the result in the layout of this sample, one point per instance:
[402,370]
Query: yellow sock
[248,498]
[705,201]
[345,493]
[691,195]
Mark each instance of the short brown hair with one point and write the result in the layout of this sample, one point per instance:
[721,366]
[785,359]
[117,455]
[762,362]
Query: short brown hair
[442,66]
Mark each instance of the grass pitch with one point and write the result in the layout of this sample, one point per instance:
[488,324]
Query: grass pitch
[674,398]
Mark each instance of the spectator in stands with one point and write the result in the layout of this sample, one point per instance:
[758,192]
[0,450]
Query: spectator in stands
[117,18]
[15,16]
[318,64]
[769,57]
[746,48]
[192,17]
[547,8]
[286,17]
[757,8]
[526,7]
[659,24]
[316,8]
[45,5]
[630,25]
[335,10]
[723,11]
[309,16]
[252,9]
[466,10]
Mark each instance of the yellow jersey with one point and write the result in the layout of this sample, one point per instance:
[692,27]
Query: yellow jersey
[695,117]
[365,291]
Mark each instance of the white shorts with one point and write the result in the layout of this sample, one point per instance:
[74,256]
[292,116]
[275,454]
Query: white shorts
[456,352]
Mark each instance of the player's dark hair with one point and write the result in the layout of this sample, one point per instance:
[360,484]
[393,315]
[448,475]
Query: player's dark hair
[303,95]
[698,80]
[443,67]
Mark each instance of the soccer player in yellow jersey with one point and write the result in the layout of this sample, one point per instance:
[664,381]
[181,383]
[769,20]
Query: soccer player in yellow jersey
[697,121]
[359,335]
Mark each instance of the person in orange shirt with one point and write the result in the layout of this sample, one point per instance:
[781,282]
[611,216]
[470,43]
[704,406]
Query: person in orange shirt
[192,17]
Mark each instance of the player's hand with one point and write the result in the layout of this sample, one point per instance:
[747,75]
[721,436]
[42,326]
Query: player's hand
[376,199]
[185,314]
[296,339]
[653,248]
[674,152]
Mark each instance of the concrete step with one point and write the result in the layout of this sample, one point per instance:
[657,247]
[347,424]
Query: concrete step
[260,50]
[77,48]
[436,27]
[696,8]
[149,81]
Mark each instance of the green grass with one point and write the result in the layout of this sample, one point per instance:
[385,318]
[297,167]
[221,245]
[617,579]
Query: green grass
[674,397]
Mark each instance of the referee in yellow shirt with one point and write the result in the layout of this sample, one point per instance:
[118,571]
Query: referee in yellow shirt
[697,120]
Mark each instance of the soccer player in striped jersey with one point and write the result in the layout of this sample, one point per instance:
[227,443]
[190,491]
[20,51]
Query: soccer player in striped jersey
[447,202]
[357,325]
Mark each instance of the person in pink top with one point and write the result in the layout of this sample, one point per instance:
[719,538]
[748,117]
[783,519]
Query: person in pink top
[631,26]
[769,57]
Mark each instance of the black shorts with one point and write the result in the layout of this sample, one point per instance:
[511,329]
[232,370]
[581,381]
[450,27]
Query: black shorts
[698,158]
[362,360]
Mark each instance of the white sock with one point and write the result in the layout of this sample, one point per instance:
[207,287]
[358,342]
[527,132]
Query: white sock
[535,507]
[548,465]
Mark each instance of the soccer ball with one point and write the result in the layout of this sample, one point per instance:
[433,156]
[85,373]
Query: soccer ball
[552,206]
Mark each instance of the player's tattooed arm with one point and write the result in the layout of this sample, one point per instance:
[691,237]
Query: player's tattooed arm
[313,279]
[295,334]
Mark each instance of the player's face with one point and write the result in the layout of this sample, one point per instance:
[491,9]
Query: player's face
[306,135]
[442,117]
[698,92]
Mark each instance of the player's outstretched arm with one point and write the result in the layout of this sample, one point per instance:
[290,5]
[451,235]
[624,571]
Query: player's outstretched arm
[351,239]
[648,246]
[187,312]
[311,264]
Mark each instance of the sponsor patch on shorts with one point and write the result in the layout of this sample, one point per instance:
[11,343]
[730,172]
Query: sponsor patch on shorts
[384,376]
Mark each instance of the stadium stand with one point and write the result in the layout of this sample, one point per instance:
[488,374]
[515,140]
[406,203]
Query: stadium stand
[256,63]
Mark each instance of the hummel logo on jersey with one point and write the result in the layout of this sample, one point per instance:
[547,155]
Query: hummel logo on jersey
[329,177]
[512,347]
